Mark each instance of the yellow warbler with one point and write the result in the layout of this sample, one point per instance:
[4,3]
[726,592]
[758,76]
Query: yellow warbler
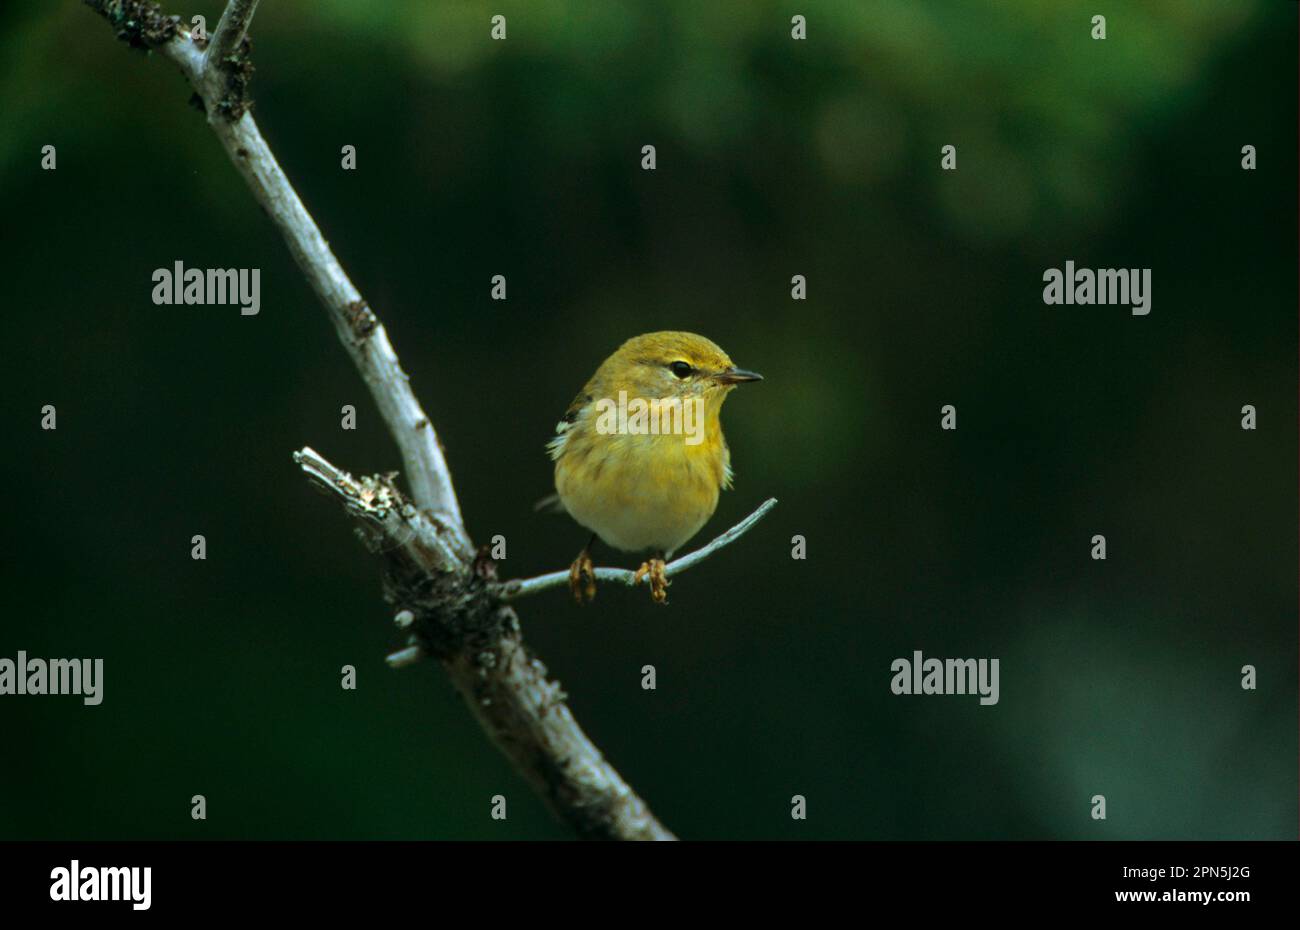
[640,457]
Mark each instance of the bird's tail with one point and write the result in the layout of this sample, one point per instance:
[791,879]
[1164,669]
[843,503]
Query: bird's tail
[549,504]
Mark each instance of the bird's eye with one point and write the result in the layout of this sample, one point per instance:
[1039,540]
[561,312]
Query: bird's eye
[681,369]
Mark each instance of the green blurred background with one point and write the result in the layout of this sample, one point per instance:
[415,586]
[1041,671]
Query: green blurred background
[775,158]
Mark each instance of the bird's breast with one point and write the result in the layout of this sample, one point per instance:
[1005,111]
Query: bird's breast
[641,492]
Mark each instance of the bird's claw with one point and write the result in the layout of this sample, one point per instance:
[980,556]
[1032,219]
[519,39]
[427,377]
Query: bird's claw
[582,578]
[654,569]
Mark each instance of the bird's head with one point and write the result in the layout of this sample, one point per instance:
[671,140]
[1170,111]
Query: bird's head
[672,364]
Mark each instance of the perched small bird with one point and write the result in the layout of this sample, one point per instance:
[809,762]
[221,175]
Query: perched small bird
[640,457]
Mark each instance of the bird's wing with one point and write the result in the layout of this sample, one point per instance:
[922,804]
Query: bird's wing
[570,415]
[556,445]
[551,503]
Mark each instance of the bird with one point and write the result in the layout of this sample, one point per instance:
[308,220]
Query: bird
[640,459]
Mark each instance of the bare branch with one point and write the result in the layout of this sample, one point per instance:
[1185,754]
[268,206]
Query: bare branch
[357,326]
[231,30]
[404,657]
[442,595]
[477,640]
[522,587]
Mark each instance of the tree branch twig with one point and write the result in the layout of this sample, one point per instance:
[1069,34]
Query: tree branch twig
[220,81]
[231,30]
[445,600]
[522,587]
[477,639]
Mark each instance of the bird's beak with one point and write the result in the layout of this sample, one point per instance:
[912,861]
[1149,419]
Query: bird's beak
[736,376]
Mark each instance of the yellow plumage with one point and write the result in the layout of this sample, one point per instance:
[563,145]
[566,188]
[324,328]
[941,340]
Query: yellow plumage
[639,490]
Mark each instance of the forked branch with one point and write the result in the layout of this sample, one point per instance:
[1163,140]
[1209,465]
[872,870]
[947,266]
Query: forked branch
[431,575]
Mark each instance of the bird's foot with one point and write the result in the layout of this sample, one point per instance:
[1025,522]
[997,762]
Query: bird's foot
[654,569]
[582,578]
